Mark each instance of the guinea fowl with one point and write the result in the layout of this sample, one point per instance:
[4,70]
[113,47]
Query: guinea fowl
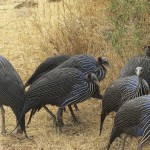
[60,87]
[133,118]
[138,61]
[11,92]
[49,64]
[86,64]
[122,90]
[46,66]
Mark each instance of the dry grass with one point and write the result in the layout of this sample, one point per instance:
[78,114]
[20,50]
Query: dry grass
[29,35]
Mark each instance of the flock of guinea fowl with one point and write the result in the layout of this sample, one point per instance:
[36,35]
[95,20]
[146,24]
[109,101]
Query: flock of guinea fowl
[65,80]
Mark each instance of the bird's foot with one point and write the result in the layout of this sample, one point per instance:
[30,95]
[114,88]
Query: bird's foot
[76,108]
[58,130]
[75,120]
[31,138]
[3,132]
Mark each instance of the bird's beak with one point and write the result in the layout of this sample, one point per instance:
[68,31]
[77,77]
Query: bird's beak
[103,116]
[107,64]
[96,82]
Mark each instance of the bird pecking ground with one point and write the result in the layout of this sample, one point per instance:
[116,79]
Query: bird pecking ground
[25,55]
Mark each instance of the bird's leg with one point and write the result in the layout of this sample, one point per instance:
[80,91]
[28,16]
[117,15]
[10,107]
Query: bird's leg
[76,107]
[52,115]
[139,147]
[73,115]
[59,117]
[64,109]
[123,142]
[26,136]
[3,119]
[18,128]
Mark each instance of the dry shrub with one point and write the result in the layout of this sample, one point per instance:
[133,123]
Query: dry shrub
[76,29]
